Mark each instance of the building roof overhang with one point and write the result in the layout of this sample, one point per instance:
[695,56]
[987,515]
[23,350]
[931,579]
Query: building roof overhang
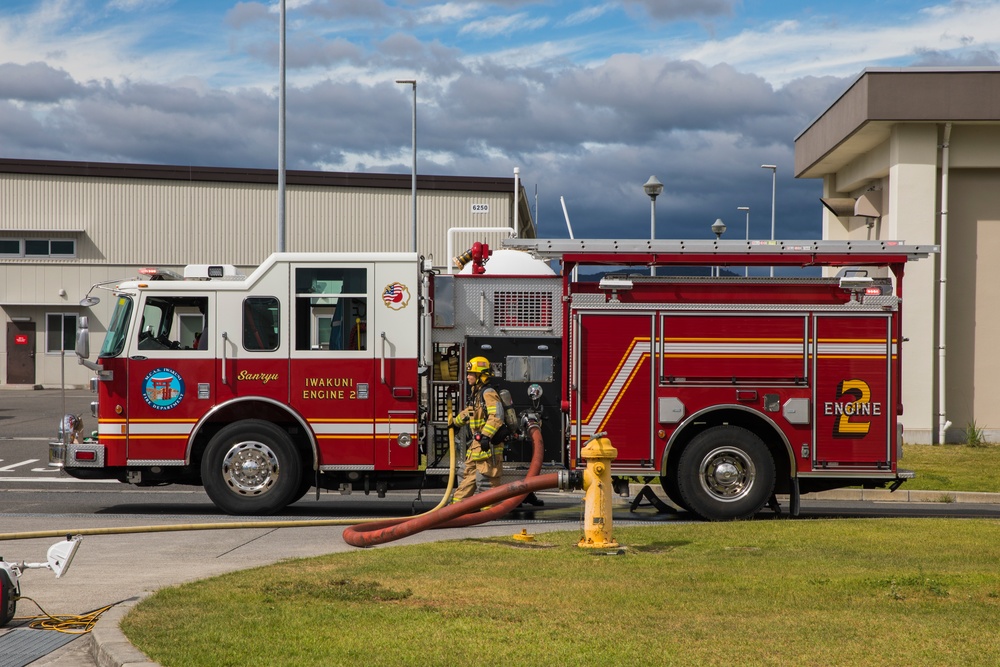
[879,98]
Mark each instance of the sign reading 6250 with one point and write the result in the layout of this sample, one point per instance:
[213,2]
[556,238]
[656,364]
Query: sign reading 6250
[854,403]
[480,208]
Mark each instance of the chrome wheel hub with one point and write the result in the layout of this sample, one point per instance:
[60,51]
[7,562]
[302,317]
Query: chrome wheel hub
[250,468]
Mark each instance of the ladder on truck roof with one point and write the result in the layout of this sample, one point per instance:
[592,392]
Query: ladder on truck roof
[753,252]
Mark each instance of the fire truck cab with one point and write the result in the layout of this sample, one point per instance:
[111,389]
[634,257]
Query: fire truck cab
[339,371]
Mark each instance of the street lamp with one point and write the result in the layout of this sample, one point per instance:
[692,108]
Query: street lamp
[746,269]
[413,178]
[718,228]
[774,185]
[653,189]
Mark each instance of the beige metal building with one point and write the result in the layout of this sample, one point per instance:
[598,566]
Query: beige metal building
[914,154]
[65,226]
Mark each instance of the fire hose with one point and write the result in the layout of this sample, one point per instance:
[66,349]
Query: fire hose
[464,513]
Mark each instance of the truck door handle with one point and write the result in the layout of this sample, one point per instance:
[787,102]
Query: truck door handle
[225,337]
[382,357]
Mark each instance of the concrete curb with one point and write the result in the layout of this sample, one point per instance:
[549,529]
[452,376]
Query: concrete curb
[109,646]
[874,495]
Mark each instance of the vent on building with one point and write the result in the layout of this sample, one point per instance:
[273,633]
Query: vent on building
[522,309]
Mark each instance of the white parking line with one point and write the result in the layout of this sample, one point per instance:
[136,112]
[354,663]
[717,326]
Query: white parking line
[10,467]
[60,480]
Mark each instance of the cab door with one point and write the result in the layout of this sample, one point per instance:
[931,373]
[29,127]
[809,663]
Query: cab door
[170,370]
[332,369]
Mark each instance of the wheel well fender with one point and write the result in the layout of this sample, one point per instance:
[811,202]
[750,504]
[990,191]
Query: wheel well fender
[736,415]
[255,407]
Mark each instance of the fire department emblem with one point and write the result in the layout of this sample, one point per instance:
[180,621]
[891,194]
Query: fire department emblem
[396,296]
[163,389]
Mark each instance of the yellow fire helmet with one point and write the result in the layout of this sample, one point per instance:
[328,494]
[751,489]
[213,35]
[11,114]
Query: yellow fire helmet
[480,366]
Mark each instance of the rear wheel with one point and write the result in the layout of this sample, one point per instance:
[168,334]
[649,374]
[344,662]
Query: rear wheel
[251,467]
[726,473]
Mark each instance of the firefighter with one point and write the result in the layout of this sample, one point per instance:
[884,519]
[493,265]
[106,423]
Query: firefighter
[484,453]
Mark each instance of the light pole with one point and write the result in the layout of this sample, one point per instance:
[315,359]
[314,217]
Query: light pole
[281,127]
[718,228]
[746,269]
[774,186]
[413,179]
[653,189]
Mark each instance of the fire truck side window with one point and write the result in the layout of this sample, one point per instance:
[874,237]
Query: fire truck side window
[173,323]
[260,323]
[337,320]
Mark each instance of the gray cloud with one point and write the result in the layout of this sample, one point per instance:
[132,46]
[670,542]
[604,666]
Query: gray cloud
[969,58]
[36,82]
[672,10]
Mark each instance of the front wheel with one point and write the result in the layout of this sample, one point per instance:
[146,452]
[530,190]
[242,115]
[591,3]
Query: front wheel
[251,467]
[726,473]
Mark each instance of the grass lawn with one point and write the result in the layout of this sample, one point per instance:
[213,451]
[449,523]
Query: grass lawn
[808,592]
[952,467]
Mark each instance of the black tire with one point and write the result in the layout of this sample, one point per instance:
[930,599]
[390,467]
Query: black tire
[251,468]
[670,487]
[725,474]
[305,484]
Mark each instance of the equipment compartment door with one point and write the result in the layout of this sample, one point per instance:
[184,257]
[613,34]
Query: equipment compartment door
[853,357]
[612,384]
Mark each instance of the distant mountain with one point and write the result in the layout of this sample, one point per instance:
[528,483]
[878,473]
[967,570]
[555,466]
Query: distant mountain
[667,271]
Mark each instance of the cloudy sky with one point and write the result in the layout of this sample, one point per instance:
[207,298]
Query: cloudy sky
[589,98]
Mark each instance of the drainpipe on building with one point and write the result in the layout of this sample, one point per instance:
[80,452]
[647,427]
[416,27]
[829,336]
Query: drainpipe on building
[517,197]
[943,424]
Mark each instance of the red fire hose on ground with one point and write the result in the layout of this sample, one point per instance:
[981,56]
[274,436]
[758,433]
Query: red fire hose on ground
[466,512]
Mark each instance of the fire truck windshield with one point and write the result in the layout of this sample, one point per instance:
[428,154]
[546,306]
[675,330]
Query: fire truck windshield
[114,342]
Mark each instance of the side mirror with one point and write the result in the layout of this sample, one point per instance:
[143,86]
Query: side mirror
[89,301]
[83,338]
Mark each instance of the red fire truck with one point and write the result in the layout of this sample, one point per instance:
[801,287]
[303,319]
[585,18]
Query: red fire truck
[336,371]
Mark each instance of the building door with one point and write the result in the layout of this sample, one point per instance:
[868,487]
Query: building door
[20,353]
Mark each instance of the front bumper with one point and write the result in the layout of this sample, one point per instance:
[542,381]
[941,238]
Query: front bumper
[76,454]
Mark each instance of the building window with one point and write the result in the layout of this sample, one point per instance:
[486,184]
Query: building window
[10,247]
[60,332]
[37,248]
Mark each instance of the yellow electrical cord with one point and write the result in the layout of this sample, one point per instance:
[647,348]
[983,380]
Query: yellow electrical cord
[69,624]
[233,525]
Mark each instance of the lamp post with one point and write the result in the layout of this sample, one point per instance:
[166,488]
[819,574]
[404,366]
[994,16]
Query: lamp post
[282,168]
[774,186]
[746,269]
[718,228]
[653,189]
[413,178]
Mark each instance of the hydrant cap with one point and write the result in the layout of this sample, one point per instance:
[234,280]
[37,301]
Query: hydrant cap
[599,448]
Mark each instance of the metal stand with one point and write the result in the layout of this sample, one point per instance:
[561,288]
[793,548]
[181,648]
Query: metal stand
[646,493]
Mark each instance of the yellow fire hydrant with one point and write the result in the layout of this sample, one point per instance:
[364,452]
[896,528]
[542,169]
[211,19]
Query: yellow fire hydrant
[599,453]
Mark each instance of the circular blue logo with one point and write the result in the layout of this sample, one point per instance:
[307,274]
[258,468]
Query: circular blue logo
[163,389]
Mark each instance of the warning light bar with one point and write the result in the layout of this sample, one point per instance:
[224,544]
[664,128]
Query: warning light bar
[159,274]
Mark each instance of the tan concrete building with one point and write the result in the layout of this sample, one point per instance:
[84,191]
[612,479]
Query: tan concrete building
[914,155]
[65,226]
